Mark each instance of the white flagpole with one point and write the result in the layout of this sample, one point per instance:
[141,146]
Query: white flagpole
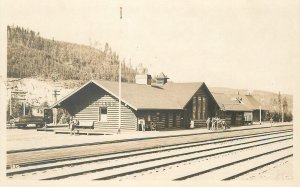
[119,129]
[282,114]
[260,115]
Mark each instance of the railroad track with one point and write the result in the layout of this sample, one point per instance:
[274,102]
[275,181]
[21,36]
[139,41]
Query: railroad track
[24,158]
[150,161]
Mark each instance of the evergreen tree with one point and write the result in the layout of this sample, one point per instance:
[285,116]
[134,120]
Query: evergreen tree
[30,55]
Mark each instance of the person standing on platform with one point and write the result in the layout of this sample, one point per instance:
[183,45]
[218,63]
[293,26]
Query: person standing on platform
[143,124]
[208,122]
[213,123]
[70,120]
[139,125]
[192,125]
[152,126]
[72,126]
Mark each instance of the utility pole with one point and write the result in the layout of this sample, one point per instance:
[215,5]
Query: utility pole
[120,79]
[21,95]
[56,93]
[54,110]
[279,107]
[10,88]
[10,107]
[282,114]
[260,115]
[10,103]
[24,107]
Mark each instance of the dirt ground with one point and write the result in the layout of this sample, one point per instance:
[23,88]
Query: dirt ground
[30,138]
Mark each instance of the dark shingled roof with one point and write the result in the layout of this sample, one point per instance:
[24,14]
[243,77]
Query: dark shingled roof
[167,96]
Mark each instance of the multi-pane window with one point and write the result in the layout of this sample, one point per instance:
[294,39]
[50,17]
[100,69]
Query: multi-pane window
[195,115]
[103,114]
[199,107]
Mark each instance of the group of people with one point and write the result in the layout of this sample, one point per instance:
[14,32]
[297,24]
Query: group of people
[146,127]
[216,123]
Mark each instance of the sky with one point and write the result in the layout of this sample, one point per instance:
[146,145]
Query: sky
[246,44]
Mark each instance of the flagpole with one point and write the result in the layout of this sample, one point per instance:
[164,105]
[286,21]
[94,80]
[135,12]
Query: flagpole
[119,129]
[260,115]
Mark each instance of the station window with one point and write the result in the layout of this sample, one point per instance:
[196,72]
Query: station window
[103,114]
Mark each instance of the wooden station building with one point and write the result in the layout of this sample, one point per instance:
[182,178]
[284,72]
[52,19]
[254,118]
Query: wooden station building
[239,109]
[168,105]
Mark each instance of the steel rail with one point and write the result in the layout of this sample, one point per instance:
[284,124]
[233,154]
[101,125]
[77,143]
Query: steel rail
[161,158]
[203,142]
[229,164]
[256,168]
[154,150]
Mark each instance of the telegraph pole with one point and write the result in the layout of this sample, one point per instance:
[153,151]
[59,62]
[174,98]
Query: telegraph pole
[13,89]
[56,93]
[10,103]
[10,107]
[282,114]
[10,88]
[120,79]
[54,110]
[260,115]
[22,98]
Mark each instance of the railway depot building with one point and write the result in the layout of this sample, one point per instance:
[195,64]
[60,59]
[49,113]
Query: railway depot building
[168,105]
[239,109]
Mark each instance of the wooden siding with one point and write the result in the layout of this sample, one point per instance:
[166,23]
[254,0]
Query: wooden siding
[164,119]
[234,118]
[91,99]
[239,118]
[206,107]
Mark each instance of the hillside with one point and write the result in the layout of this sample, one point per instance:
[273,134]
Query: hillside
[30,55]
[39,91]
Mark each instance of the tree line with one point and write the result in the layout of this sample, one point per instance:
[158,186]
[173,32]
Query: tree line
[280,109]
[30,55]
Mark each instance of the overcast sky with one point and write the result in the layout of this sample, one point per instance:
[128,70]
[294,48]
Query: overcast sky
[234,43]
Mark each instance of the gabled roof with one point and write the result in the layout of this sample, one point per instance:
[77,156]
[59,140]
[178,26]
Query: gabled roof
[236,107]
[162,76]
[167,96]
[228,102]
[252,103]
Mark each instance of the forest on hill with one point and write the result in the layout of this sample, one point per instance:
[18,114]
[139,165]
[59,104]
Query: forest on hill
[30,55]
